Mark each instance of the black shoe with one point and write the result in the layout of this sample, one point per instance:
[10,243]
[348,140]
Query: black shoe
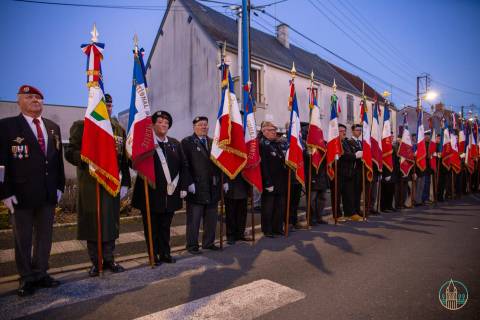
[47,282]
[243,238]
[112,266]
[313,223]
[269,235]
[280,233]
[194,251]
[93,271]
[156,260]
[374,212]
[321,221]
[168,259]
[26,288]
[212,247]
[231,241]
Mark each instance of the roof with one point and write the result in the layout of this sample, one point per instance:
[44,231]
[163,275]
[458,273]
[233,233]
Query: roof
[263,46]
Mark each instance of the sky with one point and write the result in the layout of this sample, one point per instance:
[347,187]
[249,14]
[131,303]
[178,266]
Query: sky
[394,41]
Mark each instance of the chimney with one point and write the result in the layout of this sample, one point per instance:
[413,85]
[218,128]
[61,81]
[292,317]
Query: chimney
[282,35]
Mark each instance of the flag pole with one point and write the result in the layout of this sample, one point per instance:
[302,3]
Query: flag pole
[335,194]
[364,185]
[252,215]
[149,223]
[379,192]
[99,232]
[221,212]
[309,191]
[287,216]
[453,184]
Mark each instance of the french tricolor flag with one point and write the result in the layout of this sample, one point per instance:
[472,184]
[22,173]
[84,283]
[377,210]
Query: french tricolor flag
[421,156]
[376,138]
[387,149]
[334,145]
[315,138]
[294,155]
[366,141]
[405,150]
[229,151]
[446,145]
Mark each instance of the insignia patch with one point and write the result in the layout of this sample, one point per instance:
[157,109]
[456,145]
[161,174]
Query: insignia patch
[18,140]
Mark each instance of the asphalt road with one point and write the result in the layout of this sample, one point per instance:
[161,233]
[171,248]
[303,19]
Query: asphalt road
[390,267]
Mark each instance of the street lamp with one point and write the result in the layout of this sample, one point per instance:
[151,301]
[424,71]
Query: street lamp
[430,95]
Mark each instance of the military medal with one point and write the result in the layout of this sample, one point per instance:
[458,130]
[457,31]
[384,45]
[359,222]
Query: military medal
[18,140]
[20,150]
[170,188]
[14,151]
[26,154]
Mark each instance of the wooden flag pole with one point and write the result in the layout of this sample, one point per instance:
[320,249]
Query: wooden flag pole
[149,224]
[99,232]
[287,216]
[364,189]
[335,194]
[452,188]
[309,192]
[252,208]
[414,182]
[222,204]
[379,193]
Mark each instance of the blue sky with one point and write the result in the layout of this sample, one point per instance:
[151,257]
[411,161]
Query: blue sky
[441,37]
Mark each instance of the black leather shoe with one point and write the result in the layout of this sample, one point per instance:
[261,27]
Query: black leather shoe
[93,271]
[195,251]
[168,259]
[156,260]
[112,266]
[47,282]
[212,247]
[26,288]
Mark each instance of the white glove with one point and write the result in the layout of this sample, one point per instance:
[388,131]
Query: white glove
[59,195]
[225,187]
[191,188]
[462,155]
[123,191]
[183,194]
[414,176]
[388,178]
[434,154]
[269,189]
[9,202]
[358,154]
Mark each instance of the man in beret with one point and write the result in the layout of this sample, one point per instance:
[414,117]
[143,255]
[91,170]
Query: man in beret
[203,187]
[32,180]
[86,196]
[170,188]
[274,179]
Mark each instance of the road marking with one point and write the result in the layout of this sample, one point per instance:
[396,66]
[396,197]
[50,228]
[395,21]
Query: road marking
[240,303]
[93,288]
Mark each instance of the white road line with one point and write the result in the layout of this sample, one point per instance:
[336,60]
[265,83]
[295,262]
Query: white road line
[244,302]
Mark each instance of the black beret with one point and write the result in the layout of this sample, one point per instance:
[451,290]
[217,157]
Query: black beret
[342,126]
[108,98]
[199,118]
[164,115]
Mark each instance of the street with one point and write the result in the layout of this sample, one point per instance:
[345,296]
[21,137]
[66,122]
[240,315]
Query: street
[390,267]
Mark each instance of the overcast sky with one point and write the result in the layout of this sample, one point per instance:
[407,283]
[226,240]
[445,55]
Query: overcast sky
[395,41]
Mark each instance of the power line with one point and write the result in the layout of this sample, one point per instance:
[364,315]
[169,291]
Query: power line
[456,89]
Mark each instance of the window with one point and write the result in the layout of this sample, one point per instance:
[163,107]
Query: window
[350,115]
[256,79]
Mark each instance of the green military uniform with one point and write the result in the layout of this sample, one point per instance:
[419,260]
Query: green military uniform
[86,201]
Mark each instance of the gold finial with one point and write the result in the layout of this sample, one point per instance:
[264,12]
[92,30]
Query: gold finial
[363,90]
[334,86]
[293,71]
[135,43]
[94,33]
[311,76]
[224,49]
[386,94]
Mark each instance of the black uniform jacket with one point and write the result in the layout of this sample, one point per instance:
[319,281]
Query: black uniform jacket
[274,170]
[30,175]
[201,171]
[346,163]
[160,201]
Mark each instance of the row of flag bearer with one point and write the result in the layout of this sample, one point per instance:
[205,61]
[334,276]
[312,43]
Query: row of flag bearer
[367,173]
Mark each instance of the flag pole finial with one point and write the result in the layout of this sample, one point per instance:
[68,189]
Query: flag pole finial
[334,86]
[224,50]
[293,71]
[311,76]
[135,43]
[363,90]
[94,33]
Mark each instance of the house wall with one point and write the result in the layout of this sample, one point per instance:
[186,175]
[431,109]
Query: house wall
[183,76]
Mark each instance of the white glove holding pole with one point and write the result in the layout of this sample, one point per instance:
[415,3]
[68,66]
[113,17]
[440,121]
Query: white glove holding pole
[358,154]
[269,189]
[9,202]
[462,155]
[388,178]
[123,191]
[59,195]
[191,188]
[225,187]
[183,194]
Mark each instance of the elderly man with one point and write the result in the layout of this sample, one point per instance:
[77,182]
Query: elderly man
[204,187]
[32,180]
[275,180]
[170,188]
[86,198]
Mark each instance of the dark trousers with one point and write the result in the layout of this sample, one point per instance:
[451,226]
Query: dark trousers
[195,214]
[236,218]
[317,205]
[347,193]
[107,251]
[358,185]
[33,226]
[426,188]
[444,183]
[386,200]
[401,193]
[295,195]
[273,212]
[161,222]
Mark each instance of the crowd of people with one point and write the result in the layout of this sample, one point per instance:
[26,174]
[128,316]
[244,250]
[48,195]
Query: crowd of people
[33,179]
